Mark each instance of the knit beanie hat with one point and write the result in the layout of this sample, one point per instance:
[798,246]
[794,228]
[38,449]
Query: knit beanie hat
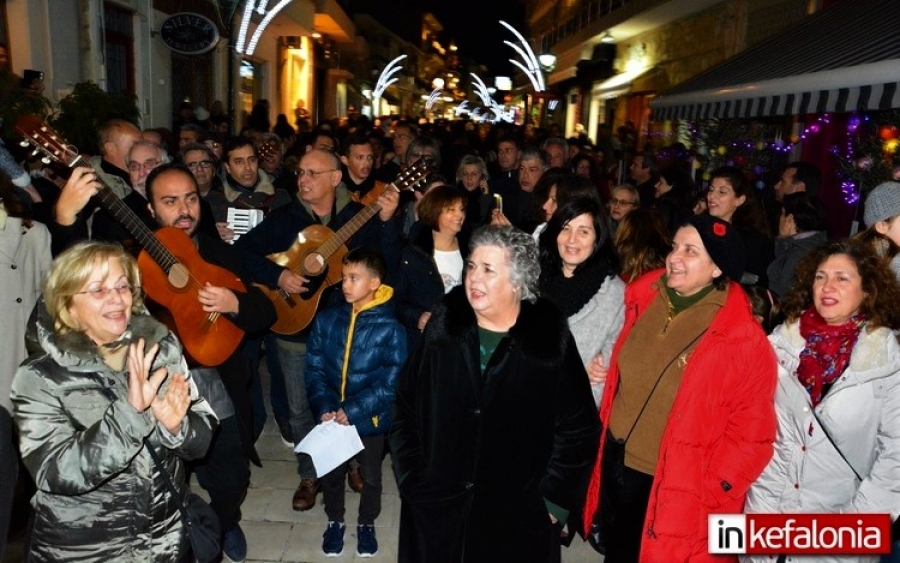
[723,244]
[882,203]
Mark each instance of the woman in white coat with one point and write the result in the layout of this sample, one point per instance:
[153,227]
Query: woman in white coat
[838,395]
[24,259]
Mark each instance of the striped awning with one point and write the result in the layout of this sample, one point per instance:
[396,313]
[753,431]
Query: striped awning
[842,59]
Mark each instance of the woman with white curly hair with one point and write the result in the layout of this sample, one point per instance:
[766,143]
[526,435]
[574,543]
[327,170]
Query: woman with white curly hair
[495,426]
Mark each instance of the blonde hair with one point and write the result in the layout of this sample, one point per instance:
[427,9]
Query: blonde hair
[72,270]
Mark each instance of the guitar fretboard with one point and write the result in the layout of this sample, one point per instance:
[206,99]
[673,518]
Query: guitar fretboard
[124,215]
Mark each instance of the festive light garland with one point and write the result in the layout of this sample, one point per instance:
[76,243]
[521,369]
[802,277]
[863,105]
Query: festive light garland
[385,80]
[433,98]
[530,65]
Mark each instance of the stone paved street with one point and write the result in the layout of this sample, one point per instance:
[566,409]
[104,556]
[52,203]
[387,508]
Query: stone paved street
[276,533]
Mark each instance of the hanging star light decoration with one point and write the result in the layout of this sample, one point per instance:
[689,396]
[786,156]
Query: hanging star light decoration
[260,9]
[529,64]
[386,78]
[433,98]
[492,106]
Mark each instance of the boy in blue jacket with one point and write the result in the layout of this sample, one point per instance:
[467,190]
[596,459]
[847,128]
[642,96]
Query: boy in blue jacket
[354,354]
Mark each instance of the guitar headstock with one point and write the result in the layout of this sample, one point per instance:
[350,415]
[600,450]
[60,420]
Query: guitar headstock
[416,174]
[268,149]
[46,141]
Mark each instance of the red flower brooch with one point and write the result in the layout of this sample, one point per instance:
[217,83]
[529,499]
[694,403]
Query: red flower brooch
[719,229]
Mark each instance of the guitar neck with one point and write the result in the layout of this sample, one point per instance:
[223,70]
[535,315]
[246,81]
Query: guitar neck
[349,229]
[128,219]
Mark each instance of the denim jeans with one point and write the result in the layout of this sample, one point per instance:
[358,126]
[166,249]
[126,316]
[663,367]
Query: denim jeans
[277,393]
[333,490]
[225,473]
[293,364]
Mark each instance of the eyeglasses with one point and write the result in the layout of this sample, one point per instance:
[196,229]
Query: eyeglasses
[101,293]
[312,173]
[422,155]
[204,164]
[614,202]
[147,166]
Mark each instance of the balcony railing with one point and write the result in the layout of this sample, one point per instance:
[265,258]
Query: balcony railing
[583,15]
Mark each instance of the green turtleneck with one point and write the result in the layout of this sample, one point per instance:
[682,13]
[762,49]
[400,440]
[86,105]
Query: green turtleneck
[682,302]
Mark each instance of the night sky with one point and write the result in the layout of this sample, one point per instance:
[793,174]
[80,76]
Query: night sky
[473,24]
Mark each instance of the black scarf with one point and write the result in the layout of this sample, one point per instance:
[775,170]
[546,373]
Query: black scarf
[572,294]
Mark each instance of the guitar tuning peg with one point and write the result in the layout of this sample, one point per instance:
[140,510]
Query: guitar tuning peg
[36,152]
[46,160]
[24,144]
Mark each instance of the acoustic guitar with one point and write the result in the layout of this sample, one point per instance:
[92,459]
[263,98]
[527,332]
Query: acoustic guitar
[172,270]
[317,254]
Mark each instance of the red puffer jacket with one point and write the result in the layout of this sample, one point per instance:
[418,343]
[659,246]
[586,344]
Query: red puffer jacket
[719,434]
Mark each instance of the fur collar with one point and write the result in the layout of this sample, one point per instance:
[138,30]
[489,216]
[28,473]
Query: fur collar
[75,349]
[541,332]
[876,354]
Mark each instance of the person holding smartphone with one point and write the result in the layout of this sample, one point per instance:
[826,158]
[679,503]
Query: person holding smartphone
[472,180]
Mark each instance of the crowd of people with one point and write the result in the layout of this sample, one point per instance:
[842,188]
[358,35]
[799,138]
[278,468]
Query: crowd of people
[548,337]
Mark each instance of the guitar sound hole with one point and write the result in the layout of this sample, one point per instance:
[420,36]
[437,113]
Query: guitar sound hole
[179,276]
[314,264]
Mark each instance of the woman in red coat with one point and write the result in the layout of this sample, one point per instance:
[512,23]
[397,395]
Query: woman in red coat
[691,424]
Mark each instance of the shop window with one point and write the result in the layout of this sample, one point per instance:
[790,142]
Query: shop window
[119,40]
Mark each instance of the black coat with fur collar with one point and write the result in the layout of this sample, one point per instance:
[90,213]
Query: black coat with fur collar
[476,454]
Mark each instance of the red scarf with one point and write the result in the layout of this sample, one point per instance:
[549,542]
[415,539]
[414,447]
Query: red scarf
[827,352]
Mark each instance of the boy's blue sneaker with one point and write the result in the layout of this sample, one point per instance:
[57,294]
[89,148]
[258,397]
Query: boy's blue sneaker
[234,545]
[366,545]
[333,544]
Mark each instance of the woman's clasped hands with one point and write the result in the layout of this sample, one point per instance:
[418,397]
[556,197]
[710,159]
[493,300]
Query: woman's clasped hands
[143,388]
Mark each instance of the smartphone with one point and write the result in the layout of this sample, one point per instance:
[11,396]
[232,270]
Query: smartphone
[498,202]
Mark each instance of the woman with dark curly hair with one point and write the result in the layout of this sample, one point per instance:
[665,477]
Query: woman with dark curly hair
[838,395]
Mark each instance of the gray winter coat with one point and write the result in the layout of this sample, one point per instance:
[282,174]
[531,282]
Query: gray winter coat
[862,414]
[100,496]
[598,324]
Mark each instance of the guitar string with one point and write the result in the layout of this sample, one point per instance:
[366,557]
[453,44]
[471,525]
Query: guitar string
[337,239]
[151,240]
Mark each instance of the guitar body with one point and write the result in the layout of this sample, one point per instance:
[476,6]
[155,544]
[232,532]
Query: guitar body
[209,339]
[295,311]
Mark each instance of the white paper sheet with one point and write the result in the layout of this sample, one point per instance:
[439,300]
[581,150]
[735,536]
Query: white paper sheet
[330,444]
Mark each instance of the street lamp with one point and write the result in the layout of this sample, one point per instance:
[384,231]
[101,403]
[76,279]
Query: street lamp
[547,62]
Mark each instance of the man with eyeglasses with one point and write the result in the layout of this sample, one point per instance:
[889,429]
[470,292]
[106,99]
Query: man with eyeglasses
[143,157]
[322,200]
[174,201]
[202,163]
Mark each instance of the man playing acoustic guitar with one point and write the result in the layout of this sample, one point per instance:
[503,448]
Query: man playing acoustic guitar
[322,200]
[174,201]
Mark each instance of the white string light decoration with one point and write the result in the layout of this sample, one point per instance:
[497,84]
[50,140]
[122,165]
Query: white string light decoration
[385,80]
[245,23]
[529,64]
[433,98]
